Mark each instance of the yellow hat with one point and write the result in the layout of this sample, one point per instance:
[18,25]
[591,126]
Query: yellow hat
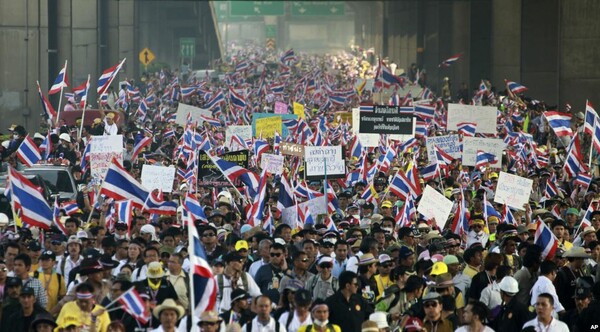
[386,204]
[477,222]
[493,175]
[241,244]
[97,121]
[493,220]
[110,115]
[439,268]
[70,320]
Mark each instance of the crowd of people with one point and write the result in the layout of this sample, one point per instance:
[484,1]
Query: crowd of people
[371,263]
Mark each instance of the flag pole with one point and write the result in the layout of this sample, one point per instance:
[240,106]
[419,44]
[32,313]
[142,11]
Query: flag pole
[192,252]
[591,145]
[325,185]
[83,110]
[61,95]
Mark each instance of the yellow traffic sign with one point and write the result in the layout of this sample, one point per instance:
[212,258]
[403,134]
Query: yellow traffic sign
[146,56]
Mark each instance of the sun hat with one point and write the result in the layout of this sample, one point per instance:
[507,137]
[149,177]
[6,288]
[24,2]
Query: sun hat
[168,304]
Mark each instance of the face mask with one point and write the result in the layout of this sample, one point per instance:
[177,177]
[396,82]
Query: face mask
[154,285]
[15,136]
[320,323]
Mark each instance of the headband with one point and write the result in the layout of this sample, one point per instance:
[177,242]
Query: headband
[85,295]
[319,306]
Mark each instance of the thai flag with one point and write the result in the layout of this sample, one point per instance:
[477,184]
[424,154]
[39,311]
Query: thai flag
[142,110]
[303,191]
[515,87]
[60,82]
[215,100]
[233,172]
[590,118]
[157,205]
[194,209]
[401,186]
[56,219]
[108,76]
[404,216]
[104,99]
[430,172]
[394,99]
[386,160]
[257,209]
[596,135]
[546,240]
[168,134]
[488,209]
[28,201]
[237,100]
[369,194]
[203,286]
[125,212]
[586,221]
[277,88]
[574,161]
[551,189]
[583,179]
[84,93]
[412,174]
[120,185]
[28,152]
[560,123]
[286,196]
[139,147]
[70,208]
[484,158]
[46,106]
[425,112]
[460,222]
[237,143]
[288,56]
[85,157]
[259,148]
[468,129]
[187,92]
[276,142]
[304,216]
[451,60]
[134,305]
[483,89]
[212,121]
[508,216]
[443,158]
[387,77]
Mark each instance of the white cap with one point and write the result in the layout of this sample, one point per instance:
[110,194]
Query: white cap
[65,136]
[325,259]
[384,258]
[39,136]
[509,285]
[379,317]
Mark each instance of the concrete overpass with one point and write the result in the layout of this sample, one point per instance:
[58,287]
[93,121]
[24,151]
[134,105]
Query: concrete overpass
[36,36]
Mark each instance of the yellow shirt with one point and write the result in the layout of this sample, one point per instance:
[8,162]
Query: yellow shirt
[469,271]
[55,289]
[70,310]
[383,282]
[566,245]
[335,328]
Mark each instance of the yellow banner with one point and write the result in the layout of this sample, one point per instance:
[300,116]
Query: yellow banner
[299,110]
[268,126]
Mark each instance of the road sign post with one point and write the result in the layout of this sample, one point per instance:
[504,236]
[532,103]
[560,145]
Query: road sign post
[146,57]
[256,8]
[187,49]
[318,8]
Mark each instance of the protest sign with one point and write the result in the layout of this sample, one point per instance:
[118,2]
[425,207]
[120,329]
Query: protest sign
[324,159]
[210,175]
[434,205]
[494,146]
[386,120]
[158,177]
[299,110]
[292,149]
[283,131]
[195,112]
[343,117]
[267,127]
[103,149]
[371,140]
[281,108]
[448,143]
[245,133]
[483,116]
[316,207]
[513,190]
[273,163]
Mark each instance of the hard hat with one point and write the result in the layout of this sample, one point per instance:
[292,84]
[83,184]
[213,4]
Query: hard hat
[509,285]
[439,268]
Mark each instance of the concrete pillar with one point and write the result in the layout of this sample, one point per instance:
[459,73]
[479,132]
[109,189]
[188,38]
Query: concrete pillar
[460,41]
[506,42]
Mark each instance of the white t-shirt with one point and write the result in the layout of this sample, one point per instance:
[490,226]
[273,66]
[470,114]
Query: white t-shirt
[465,328]
[295,323]
[555,326]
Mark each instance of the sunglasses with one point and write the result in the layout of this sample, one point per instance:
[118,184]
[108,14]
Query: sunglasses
[326,266]
[386,265]
[430,304]
[275,254]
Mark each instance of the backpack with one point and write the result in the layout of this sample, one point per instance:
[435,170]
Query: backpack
[334,283]
[221,285]
[249,326]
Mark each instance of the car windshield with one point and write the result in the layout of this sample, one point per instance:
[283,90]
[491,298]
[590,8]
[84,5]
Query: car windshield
[56,181]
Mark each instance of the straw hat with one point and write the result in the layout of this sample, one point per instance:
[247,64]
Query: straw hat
[168,304]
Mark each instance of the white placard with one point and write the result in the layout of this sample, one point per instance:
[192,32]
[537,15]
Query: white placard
[316,206]
[494,146]
[272,162]
[317,156]
[513,190]
[435,205]
[102,151]
[158,177]
[483,116]
[449,144]
[372,140]
[183,110]
[245,132]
